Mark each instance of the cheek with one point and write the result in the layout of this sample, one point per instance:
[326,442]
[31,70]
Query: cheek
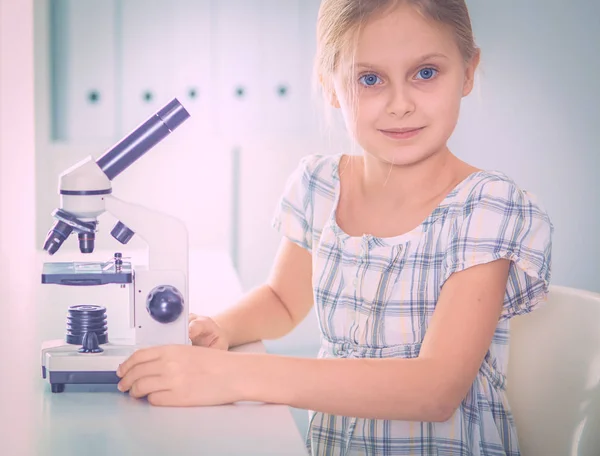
[443,105]
[349,116]
[361,111]
[370,107]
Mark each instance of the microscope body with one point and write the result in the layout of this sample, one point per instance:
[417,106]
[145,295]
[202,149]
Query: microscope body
[158,293]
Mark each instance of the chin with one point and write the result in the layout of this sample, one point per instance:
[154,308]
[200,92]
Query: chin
[404,156]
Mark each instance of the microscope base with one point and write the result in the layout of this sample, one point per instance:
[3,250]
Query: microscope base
[62,364]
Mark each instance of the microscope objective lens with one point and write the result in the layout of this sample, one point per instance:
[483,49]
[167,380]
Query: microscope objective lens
[86,242]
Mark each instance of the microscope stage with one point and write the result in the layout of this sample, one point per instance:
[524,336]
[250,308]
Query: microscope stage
[87,273]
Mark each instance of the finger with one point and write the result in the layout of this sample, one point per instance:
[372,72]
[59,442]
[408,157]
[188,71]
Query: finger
[143,355]
[139,371]
[149,385]
[192,317]
[198,328]
[208,340]
[168,399]
[161,399]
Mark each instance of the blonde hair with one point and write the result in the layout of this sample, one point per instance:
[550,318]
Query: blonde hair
[339,20]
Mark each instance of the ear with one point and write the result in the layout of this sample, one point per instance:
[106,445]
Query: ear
[329,92]
[470,73]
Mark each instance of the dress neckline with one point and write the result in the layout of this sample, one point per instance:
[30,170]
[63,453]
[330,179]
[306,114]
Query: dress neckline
[404,238]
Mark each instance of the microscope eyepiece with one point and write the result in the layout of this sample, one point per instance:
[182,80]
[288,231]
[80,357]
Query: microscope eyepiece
[112,163]
[56,236]
[142,139]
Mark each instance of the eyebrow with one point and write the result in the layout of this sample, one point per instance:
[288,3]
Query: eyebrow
[421,60]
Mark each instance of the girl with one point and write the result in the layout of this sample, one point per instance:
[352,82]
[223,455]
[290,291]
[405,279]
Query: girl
[415,261]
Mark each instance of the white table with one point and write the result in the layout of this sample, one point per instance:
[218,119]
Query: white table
[100,420]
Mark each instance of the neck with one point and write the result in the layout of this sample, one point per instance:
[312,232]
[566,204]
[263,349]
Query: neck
[397,185]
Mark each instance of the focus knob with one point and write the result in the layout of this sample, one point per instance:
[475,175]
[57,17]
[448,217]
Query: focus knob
[165,304]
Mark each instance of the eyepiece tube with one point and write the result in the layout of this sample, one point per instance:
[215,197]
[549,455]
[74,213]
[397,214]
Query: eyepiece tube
[142,139]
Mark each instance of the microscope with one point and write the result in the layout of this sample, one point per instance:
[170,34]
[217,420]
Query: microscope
[158,292]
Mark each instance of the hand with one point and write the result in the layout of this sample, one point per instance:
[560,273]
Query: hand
[205,332]
[180,375]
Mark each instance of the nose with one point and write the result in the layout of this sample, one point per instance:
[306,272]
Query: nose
[400,102]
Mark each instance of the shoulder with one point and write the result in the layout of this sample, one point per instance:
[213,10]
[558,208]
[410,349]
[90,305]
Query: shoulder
[316,175]
[306,199]
[495,218]
[497,193]
[316,166]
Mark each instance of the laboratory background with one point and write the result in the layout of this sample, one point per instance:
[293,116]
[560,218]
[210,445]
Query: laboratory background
[243,70]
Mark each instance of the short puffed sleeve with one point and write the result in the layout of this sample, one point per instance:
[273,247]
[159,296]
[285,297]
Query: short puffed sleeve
[294,213]
[499,220]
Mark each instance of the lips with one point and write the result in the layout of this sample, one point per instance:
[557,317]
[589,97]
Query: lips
[402,133]
[401,130]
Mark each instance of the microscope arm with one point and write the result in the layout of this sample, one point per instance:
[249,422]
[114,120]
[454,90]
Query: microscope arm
[166,236]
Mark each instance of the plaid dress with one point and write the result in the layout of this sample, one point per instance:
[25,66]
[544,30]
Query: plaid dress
[374,298]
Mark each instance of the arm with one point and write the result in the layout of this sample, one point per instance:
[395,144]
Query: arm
[428,388]
[273,310]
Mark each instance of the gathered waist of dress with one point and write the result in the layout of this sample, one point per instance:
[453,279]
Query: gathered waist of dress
[350,350]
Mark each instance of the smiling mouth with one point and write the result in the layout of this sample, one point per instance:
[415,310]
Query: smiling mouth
[402,133]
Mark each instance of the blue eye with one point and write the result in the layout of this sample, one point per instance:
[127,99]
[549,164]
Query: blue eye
[427,73]
[369,80]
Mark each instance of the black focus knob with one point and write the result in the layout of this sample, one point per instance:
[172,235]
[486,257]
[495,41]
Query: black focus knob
[165,304]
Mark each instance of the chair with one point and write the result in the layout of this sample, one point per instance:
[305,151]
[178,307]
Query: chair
[553,377]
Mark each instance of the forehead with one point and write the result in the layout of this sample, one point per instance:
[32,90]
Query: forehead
[403,34]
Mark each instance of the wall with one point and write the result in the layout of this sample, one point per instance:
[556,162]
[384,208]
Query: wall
[125,50]
[2,64]
[536,118]
[17,179]
[17,214]
[532,115]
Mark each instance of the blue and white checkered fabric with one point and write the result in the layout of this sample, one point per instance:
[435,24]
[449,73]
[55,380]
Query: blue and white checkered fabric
[374,298]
